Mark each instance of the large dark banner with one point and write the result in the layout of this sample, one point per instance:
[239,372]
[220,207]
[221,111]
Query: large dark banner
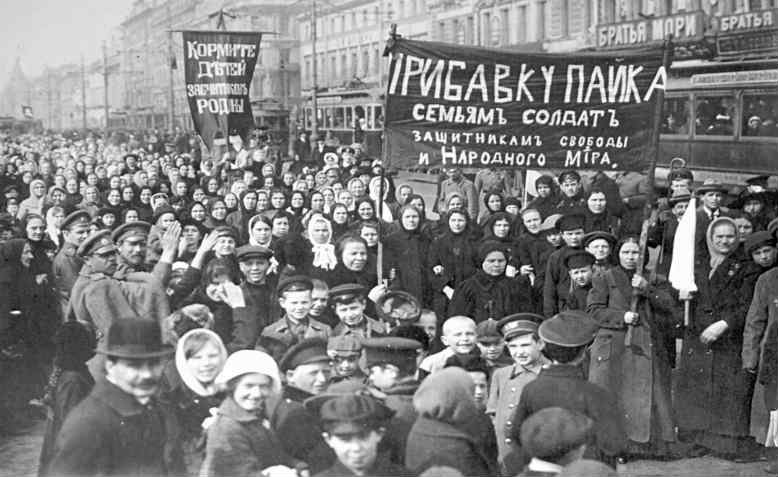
[453,105]
[218,71]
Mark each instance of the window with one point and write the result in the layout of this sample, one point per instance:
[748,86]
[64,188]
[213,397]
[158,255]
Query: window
[308,72]
[333,69]
[343,27]
[401,9]
[349,124]
[459,31]
[522,24]
[504,20]
[365,21]
[365,61]
[343,66]
[376,16]
[486,29]
[354,64]
[675,117]
[496,30]
[760,113]
[470,31]
[354,20]
[714,115]
[442,31]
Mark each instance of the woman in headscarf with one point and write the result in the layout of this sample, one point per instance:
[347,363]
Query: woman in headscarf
[297,210]
[452,260]
[145,211]
[638,374]
[54,217]
[128,197]
[493,203]
[321,257]
[340,220]
[329,198]
[191,391]
[489,293]
[596,215]
[547,198]
[428,227]
[217,215]
[34,203]
[241,440]
[442,435]
[197,212]
[240,218]
[231,202]
[406,255]
[354,265]
[90,202]
[498,229]
[713,393]
[385,213]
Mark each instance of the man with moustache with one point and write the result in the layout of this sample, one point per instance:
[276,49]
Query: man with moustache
[120,428]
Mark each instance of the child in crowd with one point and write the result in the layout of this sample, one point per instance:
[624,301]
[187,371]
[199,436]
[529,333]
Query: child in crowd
[459,337]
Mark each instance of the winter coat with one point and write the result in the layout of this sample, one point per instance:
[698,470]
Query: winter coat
[760,336]
[639,375]
[407,252]
[713,392]
[483,296]
[241,443]
[110,433]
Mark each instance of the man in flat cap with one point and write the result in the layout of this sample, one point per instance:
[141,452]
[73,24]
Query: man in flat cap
[294,296]
[121,429]
[579,264]
[348,303]
[345,352]
[520,333]
[553,438]
[557,280]
[712,194]
[354,426]
[561,383]
[67,263]
[259,294]
[571,188]
[306,370]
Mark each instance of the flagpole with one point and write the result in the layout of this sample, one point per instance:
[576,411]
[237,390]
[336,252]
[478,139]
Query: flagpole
[649,209]
[384,164]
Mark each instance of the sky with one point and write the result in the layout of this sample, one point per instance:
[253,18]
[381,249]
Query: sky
[55,32]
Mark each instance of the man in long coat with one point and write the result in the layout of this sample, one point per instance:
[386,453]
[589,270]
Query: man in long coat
[67,264]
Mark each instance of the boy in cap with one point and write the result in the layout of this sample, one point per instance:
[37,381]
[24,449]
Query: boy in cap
[491,344]
[345,351]
[294,296]
[354,425]
[557,280]
[520,334]
[391,364]
[348,302]
[562,384]
[258,292]
[459,336]
[553,437]
[579,265]
[572,199]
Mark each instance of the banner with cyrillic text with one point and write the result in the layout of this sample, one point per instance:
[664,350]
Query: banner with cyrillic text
[452,105]
[218,71]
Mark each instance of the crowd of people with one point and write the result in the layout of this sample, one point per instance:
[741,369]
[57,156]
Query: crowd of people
[180,312]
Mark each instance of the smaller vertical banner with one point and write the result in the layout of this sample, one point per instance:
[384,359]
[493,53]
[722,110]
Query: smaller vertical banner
[218,69]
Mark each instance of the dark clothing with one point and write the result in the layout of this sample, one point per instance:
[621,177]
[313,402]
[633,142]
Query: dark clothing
[399,398]
[557,281]
[222,313]
[457,255]
[408,254]
[713,392]
[260,310]
[110,433]
[381,468]
[483,296]
[760,337]
[241,443]
[436,443]
[564,386]
[663,234]
[72,387]
[534,250]
[638,375]
[298,430]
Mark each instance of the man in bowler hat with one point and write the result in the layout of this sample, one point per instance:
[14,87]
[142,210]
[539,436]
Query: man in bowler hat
[120,428]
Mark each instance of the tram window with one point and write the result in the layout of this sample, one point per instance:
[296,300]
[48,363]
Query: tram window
[760,112]
[349,117]
[379,117]
[308,118]
[370,117]
[715,116]
[337,118]
[328,118]
[676,116]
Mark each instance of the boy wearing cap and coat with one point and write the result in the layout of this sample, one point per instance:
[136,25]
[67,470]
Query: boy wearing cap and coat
[520,334]
[349,302]
[557,279]
[120,428]
[259,294]
[294,296]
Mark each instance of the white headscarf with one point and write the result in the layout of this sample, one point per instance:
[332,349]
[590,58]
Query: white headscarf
[183,370]
[373,191]
[323,253]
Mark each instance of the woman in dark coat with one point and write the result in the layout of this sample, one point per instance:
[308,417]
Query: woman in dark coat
[637,375]
[239,219]
[713,393]
[532,251]
[240,439]
[407,253]
[452,259]
[190,390]
[442,435]
[596,215]
[354,264]
[489,293]
[548,196]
